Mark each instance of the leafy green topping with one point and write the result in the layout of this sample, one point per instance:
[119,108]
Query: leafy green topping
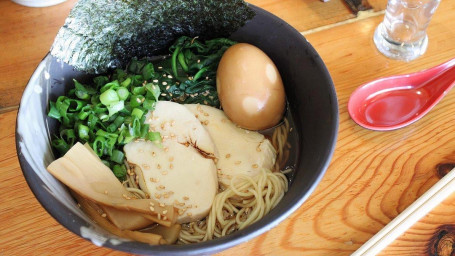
[102,114]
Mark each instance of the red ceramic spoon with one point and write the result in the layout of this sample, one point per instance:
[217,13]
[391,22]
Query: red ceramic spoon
[393,102]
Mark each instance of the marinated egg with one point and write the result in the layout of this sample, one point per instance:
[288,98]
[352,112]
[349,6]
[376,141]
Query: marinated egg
[250,88]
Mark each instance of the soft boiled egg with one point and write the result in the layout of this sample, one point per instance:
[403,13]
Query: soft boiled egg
[250,88]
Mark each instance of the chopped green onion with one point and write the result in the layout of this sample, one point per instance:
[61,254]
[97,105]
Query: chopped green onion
[139,90]
[109,97]
[98,145]
[149,104]
[61,145]
[119,171]
[117,156]
[137,113]
[123,93]
[110,86]
[126,82]
[83,132]
[85,112]
[116,107]
[53,111]
[148,71]
[154,136]
[136,100]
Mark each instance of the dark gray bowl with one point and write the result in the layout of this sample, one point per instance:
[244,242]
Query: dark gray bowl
[313,107]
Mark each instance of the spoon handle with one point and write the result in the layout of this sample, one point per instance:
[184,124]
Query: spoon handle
[443,79]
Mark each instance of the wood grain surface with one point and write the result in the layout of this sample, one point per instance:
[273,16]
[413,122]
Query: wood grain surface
[373,176]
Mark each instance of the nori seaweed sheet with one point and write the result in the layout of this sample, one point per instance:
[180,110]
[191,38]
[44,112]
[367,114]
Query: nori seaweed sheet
[105,34]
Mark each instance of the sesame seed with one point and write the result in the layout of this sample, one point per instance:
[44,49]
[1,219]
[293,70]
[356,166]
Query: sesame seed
[167,87]
[162,205]
[166,195]
[145,166]
[255,166]
[153,153]
[189,214]
[198,61]
[172,123]
[152,204]
[158,196]
[152,209]
[180,212]
[238,162]
[171,159]
[164,172]
[159,216]
[155,80]
[166,149]
[163,94]
[186,198]
[104,215]
[160,67]
[158,166]
[258,149]
[105,192]
[206,114]
[228,155]
[164,83]
[165,218]
[171,166]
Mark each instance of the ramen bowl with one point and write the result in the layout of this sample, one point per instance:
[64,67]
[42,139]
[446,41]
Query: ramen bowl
[312,107]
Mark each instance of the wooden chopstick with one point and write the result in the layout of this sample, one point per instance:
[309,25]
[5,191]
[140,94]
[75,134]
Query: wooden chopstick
[417,210]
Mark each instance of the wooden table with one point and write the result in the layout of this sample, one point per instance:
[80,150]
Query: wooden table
[373,176]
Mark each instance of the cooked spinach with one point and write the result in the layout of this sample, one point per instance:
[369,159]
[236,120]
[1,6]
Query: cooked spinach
[189,74]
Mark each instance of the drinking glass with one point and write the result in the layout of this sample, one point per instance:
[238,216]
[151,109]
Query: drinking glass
[402,35]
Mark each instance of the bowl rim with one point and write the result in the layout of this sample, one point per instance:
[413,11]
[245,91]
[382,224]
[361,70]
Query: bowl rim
[207,247]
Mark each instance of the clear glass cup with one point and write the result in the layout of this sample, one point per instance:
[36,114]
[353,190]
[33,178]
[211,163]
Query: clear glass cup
[402,35]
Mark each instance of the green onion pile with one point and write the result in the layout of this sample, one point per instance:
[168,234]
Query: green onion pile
[110,112]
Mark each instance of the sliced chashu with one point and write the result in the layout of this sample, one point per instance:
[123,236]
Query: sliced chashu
[174,121]
[91,179]
[240,151]
[176,174]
